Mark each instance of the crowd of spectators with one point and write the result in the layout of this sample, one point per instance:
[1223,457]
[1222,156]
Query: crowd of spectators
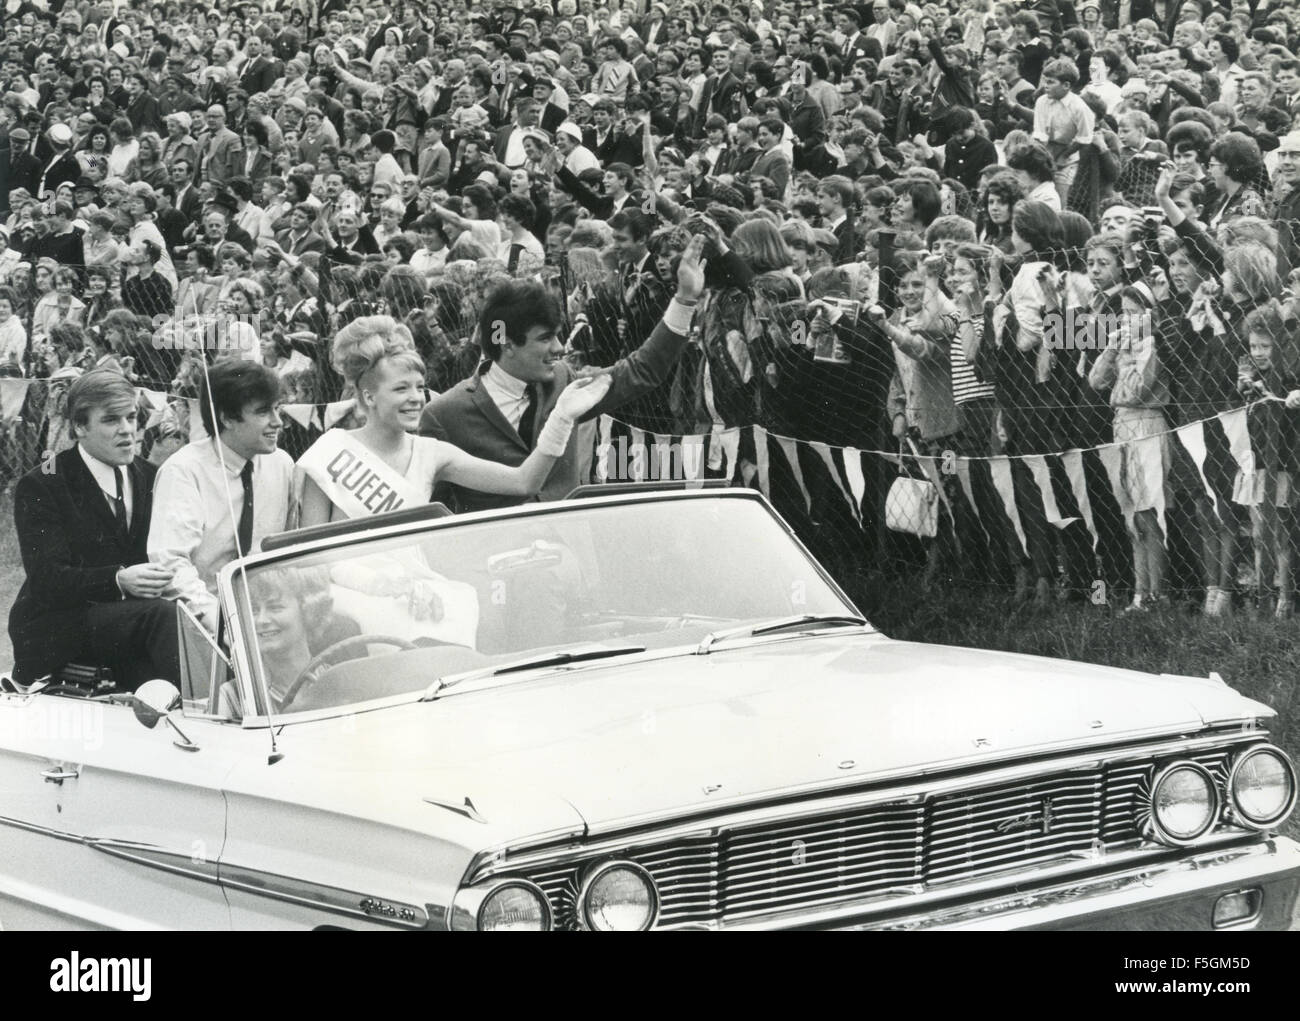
[971,227]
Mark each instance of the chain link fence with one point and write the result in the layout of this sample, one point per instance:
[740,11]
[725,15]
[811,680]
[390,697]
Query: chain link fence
[1105,421]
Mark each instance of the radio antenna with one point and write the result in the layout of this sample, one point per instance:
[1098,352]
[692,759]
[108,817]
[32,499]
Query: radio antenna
[259,679]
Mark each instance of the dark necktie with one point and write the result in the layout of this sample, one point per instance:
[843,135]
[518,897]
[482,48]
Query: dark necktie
[246,515]
[529,417]
[513,264]
[119,503]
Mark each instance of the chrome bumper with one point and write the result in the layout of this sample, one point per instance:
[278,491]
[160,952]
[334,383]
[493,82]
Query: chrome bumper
[1172,896]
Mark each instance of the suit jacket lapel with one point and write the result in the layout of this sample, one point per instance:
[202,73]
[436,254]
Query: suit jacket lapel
[85,490]
[488,407]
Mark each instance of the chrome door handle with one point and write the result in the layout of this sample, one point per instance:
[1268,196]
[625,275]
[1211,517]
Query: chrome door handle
[57,774]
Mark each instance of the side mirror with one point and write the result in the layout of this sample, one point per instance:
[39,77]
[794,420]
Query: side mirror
[153,702]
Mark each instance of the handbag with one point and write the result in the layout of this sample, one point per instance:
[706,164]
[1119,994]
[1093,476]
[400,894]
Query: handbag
[912,505]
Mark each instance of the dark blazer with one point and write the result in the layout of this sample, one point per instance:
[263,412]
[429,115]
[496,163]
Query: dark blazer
[259,75]
[725,92]
[191,203]
[467,416]
[310,242]
[72,550]
[552,117]
[65,168]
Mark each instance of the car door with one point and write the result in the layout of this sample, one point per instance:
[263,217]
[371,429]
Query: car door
[107,824]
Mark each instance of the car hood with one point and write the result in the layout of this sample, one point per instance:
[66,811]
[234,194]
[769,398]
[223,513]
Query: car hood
[629,741]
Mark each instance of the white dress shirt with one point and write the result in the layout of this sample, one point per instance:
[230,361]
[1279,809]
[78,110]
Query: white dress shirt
[194,530]
[509,394]
[103,475]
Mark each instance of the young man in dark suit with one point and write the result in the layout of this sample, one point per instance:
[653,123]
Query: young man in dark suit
[91,594]
[498,412]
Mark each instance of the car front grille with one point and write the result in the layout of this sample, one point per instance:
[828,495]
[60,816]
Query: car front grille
[890,849]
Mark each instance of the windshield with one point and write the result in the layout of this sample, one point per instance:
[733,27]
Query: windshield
[384,617]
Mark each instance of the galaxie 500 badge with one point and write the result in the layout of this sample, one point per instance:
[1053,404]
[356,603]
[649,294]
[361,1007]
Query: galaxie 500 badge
[1041,820]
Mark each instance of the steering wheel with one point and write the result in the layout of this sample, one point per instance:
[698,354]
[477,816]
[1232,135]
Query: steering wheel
[334,655]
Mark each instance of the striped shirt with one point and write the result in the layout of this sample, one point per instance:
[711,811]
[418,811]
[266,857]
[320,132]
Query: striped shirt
[965,387]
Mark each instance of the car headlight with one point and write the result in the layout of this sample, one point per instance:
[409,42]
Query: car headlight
[1184,803]
[502,905]
[1262,786]
[618,896]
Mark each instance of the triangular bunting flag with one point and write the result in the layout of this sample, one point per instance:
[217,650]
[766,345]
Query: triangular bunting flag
[1037,465]
[789,448]
[857,481]
[1072,461]
[1237,430]
[156,399]
[13,392]
[335,412]
[824,452]
[1112,459]
[692,457]
[663,468]
[1192,437]
[1000,468]
[760,455]
[637,455]
[963,476]
[303,414]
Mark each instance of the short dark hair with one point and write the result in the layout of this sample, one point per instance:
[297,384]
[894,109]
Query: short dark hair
[1239,155]
[512,308]
[519,209]
[926,200]
[235,384]
[1034,160]
[633,221]
[1228,45]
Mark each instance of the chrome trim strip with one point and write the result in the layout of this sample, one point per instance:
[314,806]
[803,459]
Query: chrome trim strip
[44,831]
[326,898]
[280,887]
[156,857]
[494,861]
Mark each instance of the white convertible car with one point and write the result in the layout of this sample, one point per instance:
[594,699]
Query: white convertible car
[643,710]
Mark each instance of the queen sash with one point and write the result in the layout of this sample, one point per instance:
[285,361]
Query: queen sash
[355,478]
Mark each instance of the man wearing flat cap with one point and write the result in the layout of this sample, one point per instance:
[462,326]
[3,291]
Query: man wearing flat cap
[24,170]
[552,115]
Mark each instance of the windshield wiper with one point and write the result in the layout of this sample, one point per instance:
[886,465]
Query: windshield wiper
[580,654]
[803,622]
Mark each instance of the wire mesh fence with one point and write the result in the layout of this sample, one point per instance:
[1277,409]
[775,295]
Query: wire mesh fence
[1106,422]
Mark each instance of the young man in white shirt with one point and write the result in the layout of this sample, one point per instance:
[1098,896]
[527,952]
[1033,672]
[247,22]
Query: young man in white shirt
[218,498]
